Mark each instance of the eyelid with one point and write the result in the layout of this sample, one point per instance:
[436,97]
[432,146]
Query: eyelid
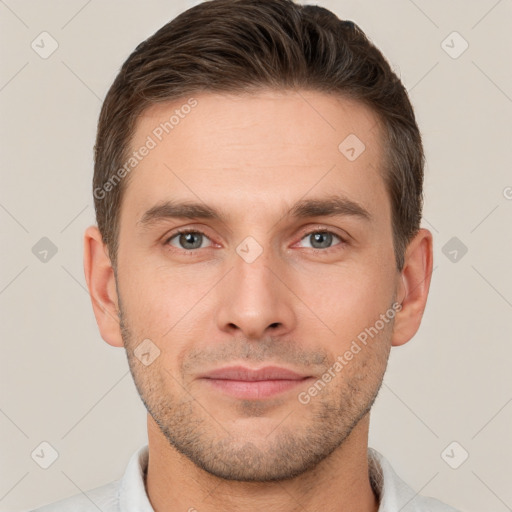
[308,232]
[181,231]
[305,232]
[342,235]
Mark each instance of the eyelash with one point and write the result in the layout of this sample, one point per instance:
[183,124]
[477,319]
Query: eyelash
[309,233]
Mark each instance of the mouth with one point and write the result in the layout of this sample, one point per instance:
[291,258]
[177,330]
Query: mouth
[253,384]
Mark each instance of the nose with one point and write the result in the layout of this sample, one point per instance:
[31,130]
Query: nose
[255,299]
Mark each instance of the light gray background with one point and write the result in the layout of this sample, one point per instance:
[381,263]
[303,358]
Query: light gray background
[62,384]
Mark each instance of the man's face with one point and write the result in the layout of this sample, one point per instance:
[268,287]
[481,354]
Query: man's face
[257,288]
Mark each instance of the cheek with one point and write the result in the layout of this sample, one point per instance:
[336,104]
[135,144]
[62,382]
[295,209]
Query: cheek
[162,303]
[347,299]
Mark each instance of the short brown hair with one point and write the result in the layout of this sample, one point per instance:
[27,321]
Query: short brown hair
[245,45]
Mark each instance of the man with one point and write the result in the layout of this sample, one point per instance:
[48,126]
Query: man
[258,192]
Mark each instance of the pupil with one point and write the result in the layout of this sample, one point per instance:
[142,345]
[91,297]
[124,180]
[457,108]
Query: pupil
[188,238]
[318,238]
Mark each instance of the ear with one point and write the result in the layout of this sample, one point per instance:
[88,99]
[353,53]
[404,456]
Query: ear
[99,275]
[414,287]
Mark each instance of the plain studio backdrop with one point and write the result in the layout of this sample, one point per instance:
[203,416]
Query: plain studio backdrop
[443,416]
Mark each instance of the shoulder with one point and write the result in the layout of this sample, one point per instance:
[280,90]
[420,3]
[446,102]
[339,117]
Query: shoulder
[395,494]
[425,504]
[128,491]
[104,498]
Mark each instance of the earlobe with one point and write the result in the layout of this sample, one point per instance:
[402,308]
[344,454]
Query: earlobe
[414,287]
[100,279]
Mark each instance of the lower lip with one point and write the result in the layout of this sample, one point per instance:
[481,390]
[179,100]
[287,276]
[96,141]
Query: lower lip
[254,390]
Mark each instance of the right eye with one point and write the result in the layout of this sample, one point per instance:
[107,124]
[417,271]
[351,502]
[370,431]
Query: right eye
[187,240]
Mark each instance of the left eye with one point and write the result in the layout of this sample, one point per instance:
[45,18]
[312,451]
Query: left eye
[321,239]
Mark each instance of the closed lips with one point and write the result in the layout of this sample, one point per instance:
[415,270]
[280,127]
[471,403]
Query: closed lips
[247,374]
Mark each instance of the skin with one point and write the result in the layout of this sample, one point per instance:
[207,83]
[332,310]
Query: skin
[297,305]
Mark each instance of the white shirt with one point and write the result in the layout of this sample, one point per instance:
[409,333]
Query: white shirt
[128,494]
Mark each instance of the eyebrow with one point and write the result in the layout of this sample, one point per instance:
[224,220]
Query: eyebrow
[323,207]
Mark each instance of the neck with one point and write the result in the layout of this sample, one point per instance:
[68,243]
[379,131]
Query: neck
[340,482]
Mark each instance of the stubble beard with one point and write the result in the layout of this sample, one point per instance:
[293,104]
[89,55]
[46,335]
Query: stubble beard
[306,437]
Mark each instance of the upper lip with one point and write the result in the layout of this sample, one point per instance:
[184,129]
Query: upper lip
[250,374]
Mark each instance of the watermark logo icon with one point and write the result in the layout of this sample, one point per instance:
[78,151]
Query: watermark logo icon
[44,455]
[146,352]
[44,250]
[454,45]
[44,45]
[351,147]
[454,455]
[249,249]
[454,249]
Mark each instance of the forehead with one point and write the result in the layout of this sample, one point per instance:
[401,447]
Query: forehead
[255,150]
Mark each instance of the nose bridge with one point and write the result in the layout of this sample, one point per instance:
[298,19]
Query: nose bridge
[254,298]
[254,267]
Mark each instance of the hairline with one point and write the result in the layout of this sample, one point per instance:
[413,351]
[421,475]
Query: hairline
[383,139]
